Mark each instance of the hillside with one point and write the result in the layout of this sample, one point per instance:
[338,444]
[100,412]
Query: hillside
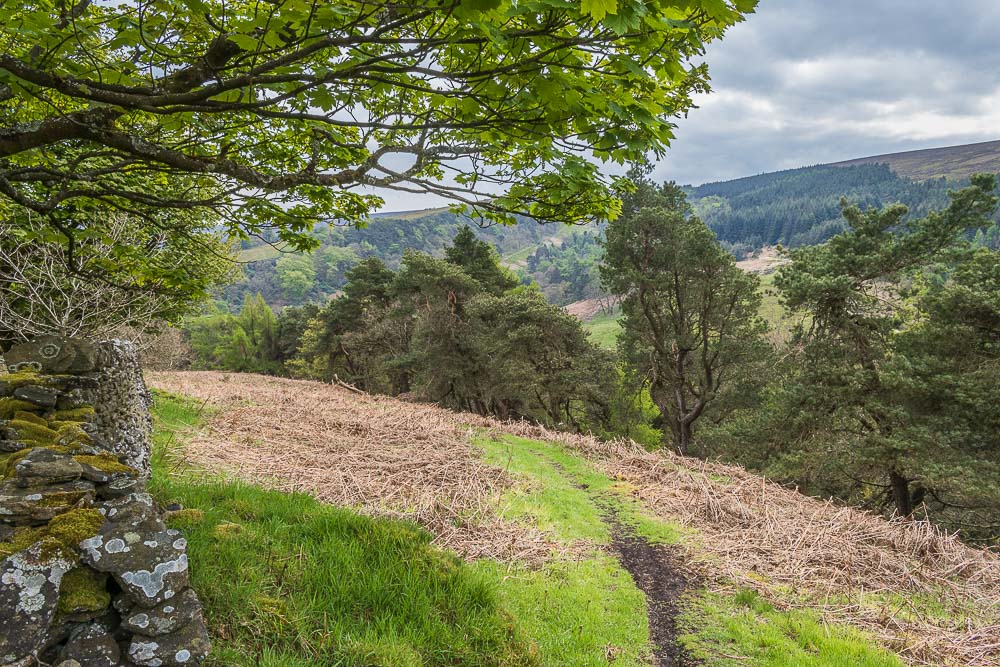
[793,208]
[951,162]
[576,552]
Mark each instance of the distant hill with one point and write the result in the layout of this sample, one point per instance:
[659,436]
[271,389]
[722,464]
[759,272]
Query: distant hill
[795,207]
[951,162]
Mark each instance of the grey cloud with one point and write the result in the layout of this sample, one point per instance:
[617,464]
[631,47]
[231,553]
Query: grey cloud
[810,81]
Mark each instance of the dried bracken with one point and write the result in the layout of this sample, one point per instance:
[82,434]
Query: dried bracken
[388,457]
[376,454]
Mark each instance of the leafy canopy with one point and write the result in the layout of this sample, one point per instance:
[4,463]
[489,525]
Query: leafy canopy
[280,113]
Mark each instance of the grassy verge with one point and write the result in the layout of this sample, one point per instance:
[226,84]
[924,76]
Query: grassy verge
[746,630]
[290,582]
[604,329]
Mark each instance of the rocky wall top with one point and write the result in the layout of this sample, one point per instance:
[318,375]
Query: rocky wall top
[110,380]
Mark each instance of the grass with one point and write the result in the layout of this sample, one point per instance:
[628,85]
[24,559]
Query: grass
[563,493]
[289,582]
[604,329]
[259,253]
[745,629]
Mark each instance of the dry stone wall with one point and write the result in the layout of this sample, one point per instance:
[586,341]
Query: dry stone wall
[90,575]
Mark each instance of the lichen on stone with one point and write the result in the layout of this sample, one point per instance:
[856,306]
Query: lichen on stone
[82,590]
[106,463]
[22,538]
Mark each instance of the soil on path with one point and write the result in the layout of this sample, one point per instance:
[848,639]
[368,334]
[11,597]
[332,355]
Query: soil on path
[657,571]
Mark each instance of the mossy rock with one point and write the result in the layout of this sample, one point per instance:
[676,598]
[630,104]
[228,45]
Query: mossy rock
[8,461]
[12,381]
[61,537]
[65,499]
[105,463]
[31,417]
[10,406]
[72,434]
[83,590]
[33,433]
[80,415]
[75,526]
[21,540]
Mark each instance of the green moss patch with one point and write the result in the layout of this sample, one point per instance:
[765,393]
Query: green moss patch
[79,415]
[11,406]
[31,417]
[83,590]
[75,526]
[105,463]
[33,433]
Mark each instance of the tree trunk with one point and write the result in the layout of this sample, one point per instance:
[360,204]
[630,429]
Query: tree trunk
[901,494]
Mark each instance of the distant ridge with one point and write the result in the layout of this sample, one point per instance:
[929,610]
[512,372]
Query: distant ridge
[951,162]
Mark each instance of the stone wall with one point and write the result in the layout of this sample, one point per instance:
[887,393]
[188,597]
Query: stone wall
[90,575]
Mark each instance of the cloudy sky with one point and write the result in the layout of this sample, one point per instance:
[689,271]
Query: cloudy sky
[806,82]
[811,81]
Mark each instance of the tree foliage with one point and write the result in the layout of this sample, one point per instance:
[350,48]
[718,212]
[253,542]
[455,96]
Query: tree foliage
[281,113]
[689,315]
[890,386]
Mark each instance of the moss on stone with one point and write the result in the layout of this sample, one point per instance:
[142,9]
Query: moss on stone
[32,433]
[11,406]
[31,417]
[65,499]
[82,590]
[75,526]
[80,415]
[8,461]
[105,463]
[12,381]
[73,434]
[60,538]
[21,539]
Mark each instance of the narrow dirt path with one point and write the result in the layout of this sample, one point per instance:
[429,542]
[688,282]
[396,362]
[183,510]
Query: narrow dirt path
[657,572]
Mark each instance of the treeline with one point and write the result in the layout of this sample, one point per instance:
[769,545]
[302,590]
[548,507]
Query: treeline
[568,270]
[296,279]
[801,207]
[459,331]
[885,396]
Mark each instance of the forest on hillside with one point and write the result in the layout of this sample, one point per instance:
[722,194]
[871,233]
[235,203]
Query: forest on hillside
[791,208]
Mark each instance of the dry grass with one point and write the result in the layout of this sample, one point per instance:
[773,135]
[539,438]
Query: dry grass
[389,457]
[376,454]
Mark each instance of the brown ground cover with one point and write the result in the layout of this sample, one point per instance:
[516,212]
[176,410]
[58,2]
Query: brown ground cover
[925,594]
